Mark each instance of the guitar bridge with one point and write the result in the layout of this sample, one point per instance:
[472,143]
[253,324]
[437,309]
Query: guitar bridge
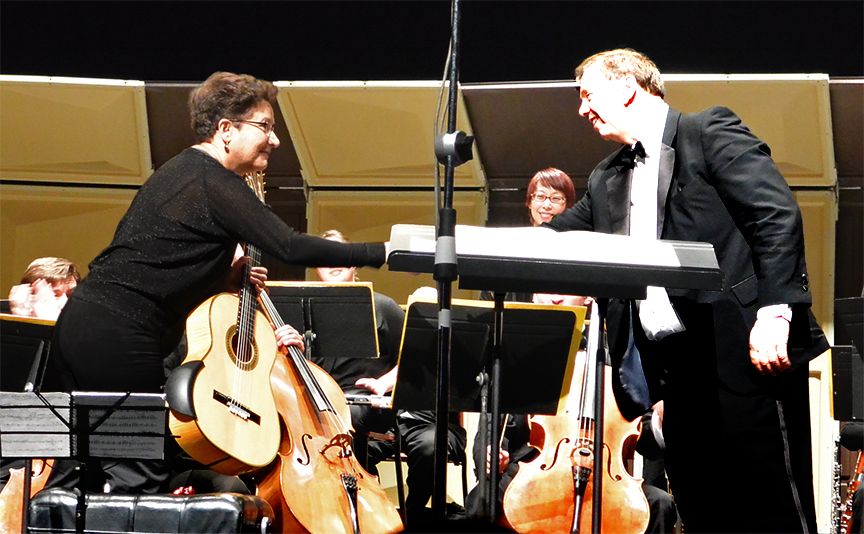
[237,408]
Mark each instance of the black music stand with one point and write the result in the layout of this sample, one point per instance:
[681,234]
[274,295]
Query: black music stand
[81,426]
[534,363]
[847,364]
[25,343]
[337,319]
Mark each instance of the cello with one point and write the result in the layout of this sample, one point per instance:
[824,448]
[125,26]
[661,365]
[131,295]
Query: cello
[316,484]
[553,492]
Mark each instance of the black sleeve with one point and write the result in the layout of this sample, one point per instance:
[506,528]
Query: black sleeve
[577,217]
[390,328]
[243,216]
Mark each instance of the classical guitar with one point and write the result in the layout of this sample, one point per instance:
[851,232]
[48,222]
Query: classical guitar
[222,409]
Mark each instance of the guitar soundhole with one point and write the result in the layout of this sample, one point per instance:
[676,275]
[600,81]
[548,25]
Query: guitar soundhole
[244,357]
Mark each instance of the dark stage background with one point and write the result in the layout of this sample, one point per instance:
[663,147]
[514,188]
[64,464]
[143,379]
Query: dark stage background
[407,40]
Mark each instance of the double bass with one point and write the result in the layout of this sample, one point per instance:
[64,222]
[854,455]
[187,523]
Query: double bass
[553,492]
[315,483]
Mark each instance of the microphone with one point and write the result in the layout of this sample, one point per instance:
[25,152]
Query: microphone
[852,436]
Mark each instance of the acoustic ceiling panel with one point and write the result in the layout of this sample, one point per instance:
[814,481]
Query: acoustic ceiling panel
[790,112]
[370,134]
[73,130]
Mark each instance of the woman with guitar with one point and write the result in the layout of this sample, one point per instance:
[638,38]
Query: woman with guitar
[174,248]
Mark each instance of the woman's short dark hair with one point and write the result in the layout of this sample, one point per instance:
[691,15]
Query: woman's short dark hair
[555,179]
[226,95]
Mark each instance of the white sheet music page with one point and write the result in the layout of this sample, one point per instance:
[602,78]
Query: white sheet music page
[539,243]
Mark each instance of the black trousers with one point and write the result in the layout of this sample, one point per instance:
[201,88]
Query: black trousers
[418,443]
[738,461]
[95,349]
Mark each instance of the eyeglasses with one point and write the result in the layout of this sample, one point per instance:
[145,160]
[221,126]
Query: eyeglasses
[266,127]
[540,198]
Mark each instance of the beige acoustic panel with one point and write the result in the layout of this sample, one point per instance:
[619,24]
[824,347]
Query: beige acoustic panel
[370,134]
[72,223]
[369,215]
[792,113]
[73,130]
[819,212]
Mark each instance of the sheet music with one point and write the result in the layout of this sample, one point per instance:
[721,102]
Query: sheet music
[540,243]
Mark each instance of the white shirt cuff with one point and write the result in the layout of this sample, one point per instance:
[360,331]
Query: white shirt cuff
[775,310]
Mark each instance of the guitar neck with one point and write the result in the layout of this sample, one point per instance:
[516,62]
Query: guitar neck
[246,310]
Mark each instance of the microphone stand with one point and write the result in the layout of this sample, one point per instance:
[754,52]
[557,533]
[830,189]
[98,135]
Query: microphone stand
[451,149]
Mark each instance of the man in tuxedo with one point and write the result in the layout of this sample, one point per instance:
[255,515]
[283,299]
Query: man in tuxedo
[730,365]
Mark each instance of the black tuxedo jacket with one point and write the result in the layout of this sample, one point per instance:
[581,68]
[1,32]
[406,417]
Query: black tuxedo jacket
[717,184]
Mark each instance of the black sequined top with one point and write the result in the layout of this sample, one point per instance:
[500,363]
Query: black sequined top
[173,248]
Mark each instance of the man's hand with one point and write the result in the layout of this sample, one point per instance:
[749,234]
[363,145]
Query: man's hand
[503,459]
[768,340]
[380,385]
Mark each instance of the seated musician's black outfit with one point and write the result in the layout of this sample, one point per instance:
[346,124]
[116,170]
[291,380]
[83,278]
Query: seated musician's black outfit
[172,250]
[418,443]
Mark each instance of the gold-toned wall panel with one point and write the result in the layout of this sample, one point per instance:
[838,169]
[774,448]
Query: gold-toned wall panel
[792,113]
[369,134]
[72,223]
[369,215]
[73,130]
[819,212]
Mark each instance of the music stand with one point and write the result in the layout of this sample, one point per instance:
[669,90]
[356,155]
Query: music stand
[337,318]
[25,343]
[535,362]
[847,365]
[81,426]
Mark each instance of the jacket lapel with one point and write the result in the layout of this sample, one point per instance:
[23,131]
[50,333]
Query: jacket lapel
[618,191]
[667,167]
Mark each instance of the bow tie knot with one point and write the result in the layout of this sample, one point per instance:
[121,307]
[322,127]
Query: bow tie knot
[630,155]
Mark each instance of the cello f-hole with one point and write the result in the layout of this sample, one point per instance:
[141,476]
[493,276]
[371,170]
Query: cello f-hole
[608,458]
[546,467]
[308,459]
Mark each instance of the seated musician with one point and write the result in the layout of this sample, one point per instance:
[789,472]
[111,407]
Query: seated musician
[364,376]
[44,288]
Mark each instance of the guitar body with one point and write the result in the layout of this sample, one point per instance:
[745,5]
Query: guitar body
[235,427]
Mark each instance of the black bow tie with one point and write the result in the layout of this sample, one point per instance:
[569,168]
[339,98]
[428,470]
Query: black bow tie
[629,155]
